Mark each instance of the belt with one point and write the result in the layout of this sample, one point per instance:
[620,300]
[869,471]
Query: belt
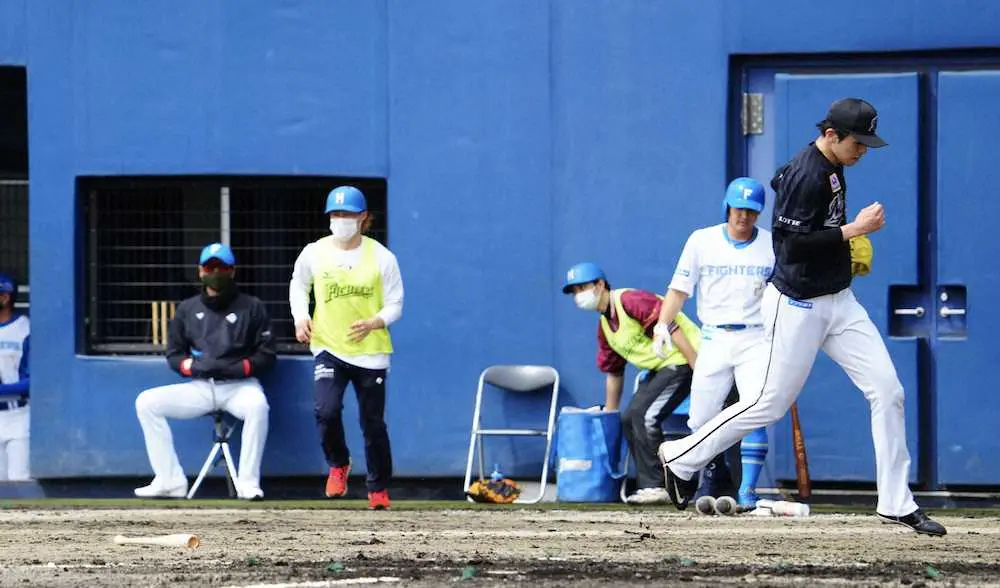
[735,327]
[12,404]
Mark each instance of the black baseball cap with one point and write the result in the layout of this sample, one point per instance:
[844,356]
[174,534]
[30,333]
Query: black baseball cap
[857,118]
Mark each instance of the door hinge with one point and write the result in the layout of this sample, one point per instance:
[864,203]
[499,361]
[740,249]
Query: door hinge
[752,114]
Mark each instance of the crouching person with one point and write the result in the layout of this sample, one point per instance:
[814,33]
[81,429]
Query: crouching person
[625,335]
[223,336]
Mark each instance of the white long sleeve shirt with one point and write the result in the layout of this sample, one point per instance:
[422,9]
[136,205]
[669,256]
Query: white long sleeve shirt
[392,293]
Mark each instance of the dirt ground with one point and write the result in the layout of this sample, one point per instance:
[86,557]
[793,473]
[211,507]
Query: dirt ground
[73,547]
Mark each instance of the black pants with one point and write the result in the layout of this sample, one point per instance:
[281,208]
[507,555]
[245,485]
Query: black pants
[659,394]
[332,376]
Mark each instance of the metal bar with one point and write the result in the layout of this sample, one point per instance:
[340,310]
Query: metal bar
[224,215]
[93,317]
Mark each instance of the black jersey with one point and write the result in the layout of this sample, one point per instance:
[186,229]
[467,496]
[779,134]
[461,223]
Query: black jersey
[811,197]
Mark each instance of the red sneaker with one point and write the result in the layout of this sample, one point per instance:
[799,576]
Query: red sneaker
[378,500]
[336,482]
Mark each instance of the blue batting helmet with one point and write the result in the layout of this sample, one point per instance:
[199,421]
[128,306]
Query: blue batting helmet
[346,199]
[8,285]
[220,251]
[582,273]
[744,193]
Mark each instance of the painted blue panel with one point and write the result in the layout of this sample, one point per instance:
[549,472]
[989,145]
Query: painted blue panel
[220,88]
[835,415]
[967,413]
[470,210]
[626,189]
[787,26]
[13,25]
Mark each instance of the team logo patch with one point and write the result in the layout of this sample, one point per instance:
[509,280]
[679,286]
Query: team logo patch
[835,183]
[199,315]
[231,317]
[321,372]
[800,303]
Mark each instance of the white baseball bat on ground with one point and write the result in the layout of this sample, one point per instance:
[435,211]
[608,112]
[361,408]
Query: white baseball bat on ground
[175,540]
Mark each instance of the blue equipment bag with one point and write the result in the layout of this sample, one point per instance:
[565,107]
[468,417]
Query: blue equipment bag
[589,451]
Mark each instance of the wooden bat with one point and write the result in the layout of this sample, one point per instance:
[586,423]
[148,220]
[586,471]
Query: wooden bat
[801,459]
[175,540]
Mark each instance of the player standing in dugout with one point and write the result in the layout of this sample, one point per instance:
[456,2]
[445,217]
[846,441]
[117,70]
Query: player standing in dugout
[729,264]
[15,384]
[809,306]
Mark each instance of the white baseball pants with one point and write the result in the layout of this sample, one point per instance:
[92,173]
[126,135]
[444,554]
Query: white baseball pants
[244,399]
[15,430]
[725,356]
[795,331]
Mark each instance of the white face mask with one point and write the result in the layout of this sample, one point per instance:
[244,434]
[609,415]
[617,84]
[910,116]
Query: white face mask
[587,299]
[343,229]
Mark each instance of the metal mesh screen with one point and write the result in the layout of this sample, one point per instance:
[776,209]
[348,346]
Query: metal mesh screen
[14,235]
[144,235]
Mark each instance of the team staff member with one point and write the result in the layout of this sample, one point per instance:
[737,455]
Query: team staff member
[729,264]
[15,380]
[809,306]
[224,335]
[624,335]
[358,293]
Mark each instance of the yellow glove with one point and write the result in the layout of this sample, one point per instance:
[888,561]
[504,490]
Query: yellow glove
[503,491]
[861,255]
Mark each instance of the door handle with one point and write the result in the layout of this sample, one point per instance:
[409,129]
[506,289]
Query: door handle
[917,312]
[946,312]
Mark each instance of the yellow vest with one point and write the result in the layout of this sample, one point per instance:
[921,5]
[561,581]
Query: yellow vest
[344,296]
[631,342]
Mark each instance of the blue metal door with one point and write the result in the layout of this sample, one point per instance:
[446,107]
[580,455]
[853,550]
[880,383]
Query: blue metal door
[968,278]
[834,413]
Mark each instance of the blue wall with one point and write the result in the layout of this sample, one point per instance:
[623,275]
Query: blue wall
[517,138]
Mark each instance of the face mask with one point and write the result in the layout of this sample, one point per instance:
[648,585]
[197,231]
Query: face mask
[587,299]
[343,229]
[218,281]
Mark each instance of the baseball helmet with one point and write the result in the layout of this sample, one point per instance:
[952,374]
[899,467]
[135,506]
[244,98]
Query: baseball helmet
[582,273]
[220,251]
[8,285]
[744,193]
[346,199]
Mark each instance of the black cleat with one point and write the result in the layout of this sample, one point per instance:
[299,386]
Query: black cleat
[680,491]
[917,521]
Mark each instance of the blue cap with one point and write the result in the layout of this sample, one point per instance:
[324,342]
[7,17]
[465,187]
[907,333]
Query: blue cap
[582,273]
[346,199]
[7,285]
[744,193]
[220,251]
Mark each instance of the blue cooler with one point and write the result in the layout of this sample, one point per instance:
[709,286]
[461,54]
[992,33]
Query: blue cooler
[589,452]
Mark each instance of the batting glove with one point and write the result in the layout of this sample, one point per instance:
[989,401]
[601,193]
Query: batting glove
[662,345]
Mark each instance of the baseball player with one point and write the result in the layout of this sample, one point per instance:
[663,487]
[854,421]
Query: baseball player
[809,306]
[15,380]
[358,291]
[221,340]
[624,334]
[729,264]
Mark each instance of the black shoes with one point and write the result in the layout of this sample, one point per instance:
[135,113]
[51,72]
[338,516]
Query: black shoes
[917,521]
[680,491]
